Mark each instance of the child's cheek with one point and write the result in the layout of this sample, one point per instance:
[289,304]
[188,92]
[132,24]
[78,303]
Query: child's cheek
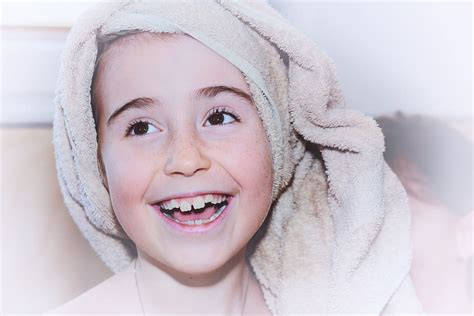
[250,164]
[127,174]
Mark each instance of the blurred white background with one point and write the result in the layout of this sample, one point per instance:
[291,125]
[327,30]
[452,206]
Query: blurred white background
[410,56]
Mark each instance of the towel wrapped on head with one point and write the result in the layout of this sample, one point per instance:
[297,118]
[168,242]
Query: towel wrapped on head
[338,237]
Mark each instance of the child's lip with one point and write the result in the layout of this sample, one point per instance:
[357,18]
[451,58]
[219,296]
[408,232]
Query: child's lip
[196,229]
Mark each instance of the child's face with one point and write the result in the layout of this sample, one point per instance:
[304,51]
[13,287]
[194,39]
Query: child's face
[176,145]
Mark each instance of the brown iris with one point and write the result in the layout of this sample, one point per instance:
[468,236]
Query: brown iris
[140,128]
[216,119]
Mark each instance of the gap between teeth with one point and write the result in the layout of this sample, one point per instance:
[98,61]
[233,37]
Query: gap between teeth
[199,221]
[198,203]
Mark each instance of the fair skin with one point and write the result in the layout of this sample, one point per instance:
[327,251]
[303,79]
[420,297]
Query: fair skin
[175,145]
[442,253]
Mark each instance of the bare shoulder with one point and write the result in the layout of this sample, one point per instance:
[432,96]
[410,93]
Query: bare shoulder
[114,295]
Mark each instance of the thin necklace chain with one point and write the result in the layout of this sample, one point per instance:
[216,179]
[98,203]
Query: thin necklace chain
[141,301]
[136,284]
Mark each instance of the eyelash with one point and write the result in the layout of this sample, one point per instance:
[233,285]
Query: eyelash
[214,111]
[223,109]
[132,125]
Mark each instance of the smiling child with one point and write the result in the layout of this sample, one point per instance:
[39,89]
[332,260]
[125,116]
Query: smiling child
[176,124]
[204,150]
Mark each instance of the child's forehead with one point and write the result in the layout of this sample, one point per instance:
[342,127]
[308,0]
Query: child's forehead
[146,65]
[174,47]
[111,45]
[168,54]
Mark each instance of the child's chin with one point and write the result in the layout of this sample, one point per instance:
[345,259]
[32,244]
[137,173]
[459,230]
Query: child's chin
[200,266]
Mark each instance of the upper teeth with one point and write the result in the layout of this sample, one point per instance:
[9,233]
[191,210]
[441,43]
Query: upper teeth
[197,202]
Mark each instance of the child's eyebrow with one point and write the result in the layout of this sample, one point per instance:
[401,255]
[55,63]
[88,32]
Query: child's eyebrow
[207,92]
[211,92]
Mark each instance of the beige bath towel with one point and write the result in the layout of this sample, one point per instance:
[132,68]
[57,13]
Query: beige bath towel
[338,237]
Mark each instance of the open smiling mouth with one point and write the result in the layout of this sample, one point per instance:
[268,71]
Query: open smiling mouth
[201,210]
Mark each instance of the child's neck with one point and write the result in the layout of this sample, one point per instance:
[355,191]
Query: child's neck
[164,290]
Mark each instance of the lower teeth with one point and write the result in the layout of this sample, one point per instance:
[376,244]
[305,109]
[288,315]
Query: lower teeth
[200,221]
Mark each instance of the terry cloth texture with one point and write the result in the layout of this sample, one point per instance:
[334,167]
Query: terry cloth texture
[338,238]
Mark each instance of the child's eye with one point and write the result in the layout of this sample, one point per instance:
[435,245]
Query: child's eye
[138,128]
[218,117]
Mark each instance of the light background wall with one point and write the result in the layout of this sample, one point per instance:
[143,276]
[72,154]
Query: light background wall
[411,55]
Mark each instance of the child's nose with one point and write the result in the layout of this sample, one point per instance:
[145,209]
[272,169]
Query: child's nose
[186,156]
